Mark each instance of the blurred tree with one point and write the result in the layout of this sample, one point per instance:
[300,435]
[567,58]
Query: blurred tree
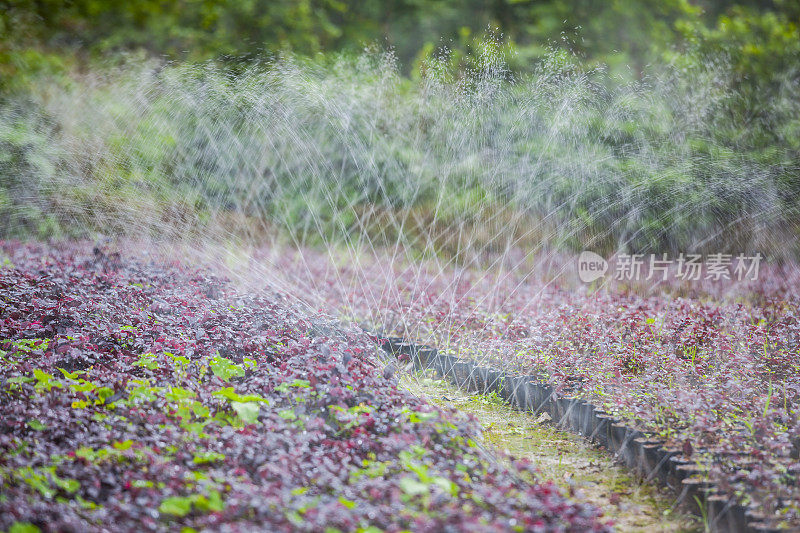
[621,33]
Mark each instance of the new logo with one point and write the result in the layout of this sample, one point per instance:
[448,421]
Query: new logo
[591,266]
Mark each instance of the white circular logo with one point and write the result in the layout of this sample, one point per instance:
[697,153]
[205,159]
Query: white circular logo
[591,266]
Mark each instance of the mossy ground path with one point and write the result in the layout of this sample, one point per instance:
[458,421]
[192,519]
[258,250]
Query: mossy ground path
[565,458]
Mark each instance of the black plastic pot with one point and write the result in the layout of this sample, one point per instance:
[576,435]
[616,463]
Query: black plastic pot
[724,514]
[424,357]
[570,414]
[447,362]
[493,380]
[520,398]
[686,471]
[601,433]
[623,442]
[508,390]
[555,407]
[526,391]
[437,365]
[501,390]
[663,464]
[567,409]
[405,348]
[583,417]
[675,475]
[694,494]
[561,408]
[461,373]
[480,379]
[392,344]
[617,433]
[539,396]
[386,346]
[474,379]
[632,450]
[647,465]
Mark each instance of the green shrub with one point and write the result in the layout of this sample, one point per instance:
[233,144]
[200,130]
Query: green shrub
[312,149]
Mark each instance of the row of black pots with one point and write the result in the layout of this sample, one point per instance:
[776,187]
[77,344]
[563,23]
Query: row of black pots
[645,456]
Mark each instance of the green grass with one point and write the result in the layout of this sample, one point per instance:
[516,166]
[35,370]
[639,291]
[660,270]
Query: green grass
[567,459]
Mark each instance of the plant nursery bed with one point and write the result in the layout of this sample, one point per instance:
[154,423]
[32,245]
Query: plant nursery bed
[708,369]
[649,457]
[153,397]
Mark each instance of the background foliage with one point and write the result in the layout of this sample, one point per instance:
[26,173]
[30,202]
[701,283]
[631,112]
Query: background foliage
[638,123]
[761,36]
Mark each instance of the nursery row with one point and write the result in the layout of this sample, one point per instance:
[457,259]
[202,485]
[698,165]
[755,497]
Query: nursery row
[714,375]
[153,397]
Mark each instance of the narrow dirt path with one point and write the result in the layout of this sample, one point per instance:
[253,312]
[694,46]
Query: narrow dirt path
[567,459]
